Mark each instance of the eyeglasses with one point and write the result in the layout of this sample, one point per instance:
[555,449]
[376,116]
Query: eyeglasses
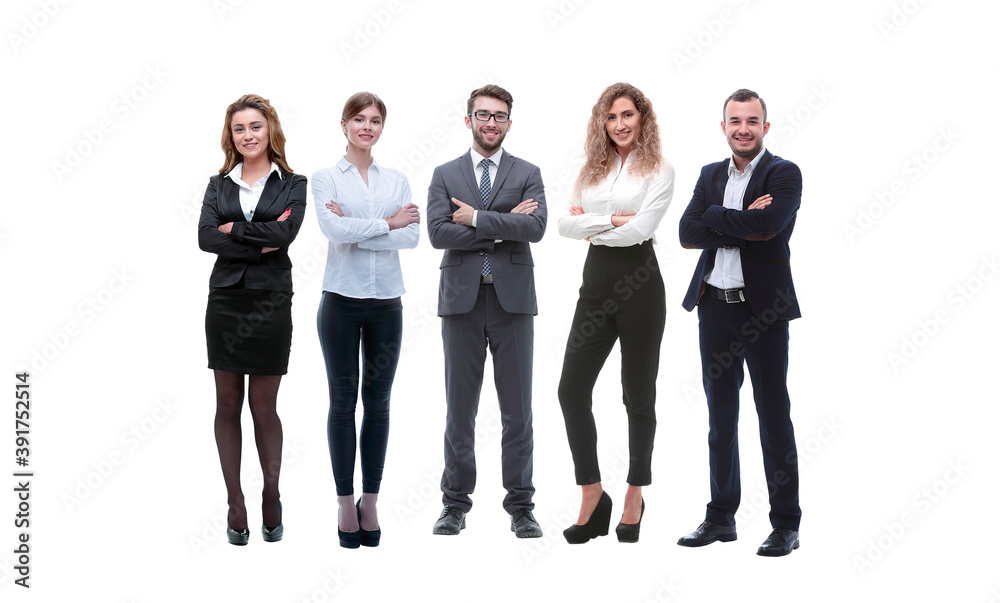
[500,118]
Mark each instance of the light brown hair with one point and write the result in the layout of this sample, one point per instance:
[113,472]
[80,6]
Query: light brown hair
[275,138]
[600,149]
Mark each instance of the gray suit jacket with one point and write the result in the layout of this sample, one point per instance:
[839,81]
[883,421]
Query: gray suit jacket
[510,260]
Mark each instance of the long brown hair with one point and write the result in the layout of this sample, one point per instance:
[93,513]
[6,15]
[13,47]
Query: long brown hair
[275,138]
[600,149]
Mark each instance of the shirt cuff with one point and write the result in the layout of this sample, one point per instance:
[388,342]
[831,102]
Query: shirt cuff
[475,214]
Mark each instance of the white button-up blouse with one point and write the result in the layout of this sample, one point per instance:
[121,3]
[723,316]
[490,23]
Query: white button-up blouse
[362,260]
[621,193]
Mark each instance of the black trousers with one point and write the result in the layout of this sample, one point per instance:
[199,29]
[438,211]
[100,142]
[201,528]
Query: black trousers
[730,334]
[371,329]
[622,298]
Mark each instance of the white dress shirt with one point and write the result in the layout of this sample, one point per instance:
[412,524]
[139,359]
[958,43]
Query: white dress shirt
[477,166]
[362,260]
[728,270]
[250,194]
[621,192]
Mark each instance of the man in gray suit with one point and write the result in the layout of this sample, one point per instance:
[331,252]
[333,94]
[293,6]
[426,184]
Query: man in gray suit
[483,209]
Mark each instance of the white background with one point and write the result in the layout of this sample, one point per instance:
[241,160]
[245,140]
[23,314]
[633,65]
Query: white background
[105,290]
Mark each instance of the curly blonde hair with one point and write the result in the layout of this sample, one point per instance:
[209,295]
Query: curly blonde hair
[600,149]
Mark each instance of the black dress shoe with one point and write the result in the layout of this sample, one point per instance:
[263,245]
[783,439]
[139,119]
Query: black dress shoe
[368,537]
[523,524]
[707,533]
[597,525]
[273,534]
[451,522]
[781,542]
[238,538]
[629,532]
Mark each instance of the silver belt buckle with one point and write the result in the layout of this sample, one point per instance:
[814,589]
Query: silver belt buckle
[734,296]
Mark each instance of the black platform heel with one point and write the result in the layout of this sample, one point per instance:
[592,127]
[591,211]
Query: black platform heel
[597,525]
[350,540]
[368,537]
[629,532]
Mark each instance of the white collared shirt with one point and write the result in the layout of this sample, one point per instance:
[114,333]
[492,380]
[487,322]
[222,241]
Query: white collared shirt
[477,167]
[728,270]
[621,193]
[250,195]
[362,259]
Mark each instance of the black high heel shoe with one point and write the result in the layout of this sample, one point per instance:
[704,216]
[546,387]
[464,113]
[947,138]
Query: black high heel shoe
[597,525]
[629,532]
[350,540]
[368,537]
[274,534]
[240,538]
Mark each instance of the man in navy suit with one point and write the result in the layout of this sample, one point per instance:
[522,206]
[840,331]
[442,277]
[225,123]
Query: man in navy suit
[741,215]
[484,209]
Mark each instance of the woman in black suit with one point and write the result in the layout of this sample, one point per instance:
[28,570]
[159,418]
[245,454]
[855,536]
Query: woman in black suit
[252,211]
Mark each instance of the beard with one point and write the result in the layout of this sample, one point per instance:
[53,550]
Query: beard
[486,145]
[749,153]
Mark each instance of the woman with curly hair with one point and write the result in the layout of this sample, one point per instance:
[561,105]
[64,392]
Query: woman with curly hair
[620,197]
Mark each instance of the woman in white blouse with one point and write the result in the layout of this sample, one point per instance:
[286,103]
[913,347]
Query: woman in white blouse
[620,197]
[365,211]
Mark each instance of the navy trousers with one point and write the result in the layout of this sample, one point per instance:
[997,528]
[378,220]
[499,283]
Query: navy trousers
[730,334]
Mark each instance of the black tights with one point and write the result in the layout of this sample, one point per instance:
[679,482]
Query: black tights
[263,397]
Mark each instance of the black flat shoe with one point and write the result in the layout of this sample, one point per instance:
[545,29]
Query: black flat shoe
[707,533]
[238,538]
[524,525]
[368,537]
[629,532]
[274,534]
[597,525]
[781,542]
[451,521]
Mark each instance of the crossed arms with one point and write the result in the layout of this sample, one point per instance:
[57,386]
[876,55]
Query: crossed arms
[449,220]
[710,226]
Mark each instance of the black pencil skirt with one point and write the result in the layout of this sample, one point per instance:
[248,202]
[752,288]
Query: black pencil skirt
[249,331]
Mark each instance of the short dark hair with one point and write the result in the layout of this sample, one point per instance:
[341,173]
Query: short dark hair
[741,96]
[492,91]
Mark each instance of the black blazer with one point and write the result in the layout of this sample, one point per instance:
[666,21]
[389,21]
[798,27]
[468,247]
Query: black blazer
[761,234]
[239,252]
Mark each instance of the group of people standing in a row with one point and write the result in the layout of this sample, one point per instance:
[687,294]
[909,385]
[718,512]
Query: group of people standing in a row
[484,209]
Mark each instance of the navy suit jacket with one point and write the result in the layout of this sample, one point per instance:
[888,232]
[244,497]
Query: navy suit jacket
[510,260]
[761,234]
[240,251]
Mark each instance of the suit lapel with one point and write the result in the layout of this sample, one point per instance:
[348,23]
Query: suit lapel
[506,161]
[755,179]
[468,171]
[721,179]
[230,200]
[274,185]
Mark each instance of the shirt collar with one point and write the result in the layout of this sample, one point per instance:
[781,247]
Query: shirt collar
[345,165]
[236,174]
[733,172]
[478,159]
